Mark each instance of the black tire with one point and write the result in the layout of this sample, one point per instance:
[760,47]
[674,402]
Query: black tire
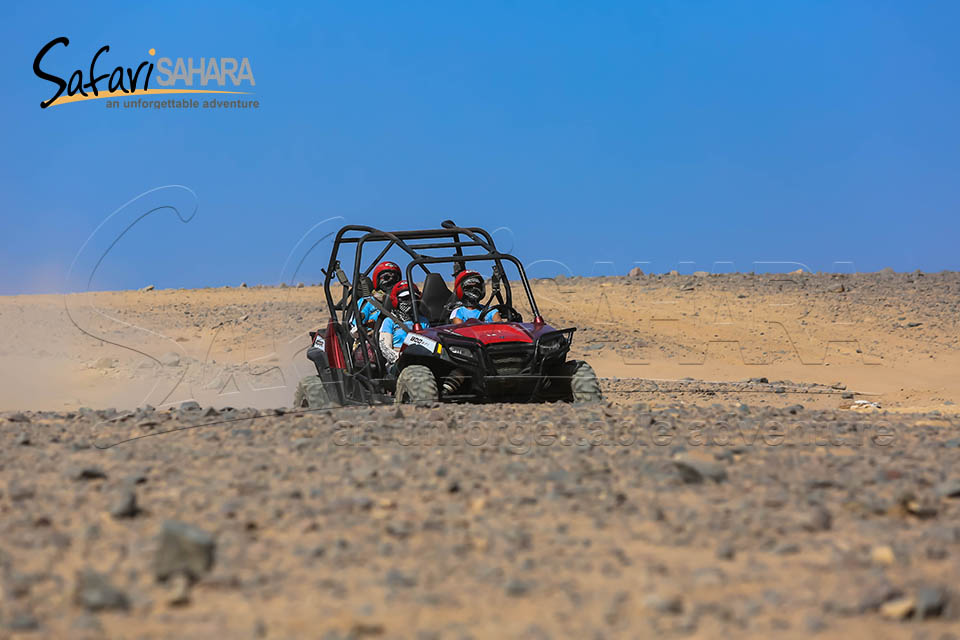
[584,386]
[311,394]
[416,384]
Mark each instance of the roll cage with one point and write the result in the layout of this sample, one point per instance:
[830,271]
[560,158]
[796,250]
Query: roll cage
[450,236]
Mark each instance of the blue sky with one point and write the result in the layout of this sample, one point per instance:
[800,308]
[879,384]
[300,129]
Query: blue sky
[691,135]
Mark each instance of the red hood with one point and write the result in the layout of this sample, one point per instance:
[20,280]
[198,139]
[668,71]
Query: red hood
[492,333]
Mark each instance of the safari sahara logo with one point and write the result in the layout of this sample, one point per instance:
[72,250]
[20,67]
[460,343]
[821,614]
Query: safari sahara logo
[179,75]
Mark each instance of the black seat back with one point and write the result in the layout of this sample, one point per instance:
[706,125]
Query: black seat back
[433,302]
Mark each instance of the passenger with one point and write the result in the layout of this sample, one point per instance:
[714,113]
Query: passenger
[470,290]
[385,275]
[393,334]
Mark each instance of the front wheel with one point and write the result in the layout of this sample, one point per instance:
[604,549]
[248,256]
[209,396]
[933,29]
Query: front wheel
[584,385]
[416,384]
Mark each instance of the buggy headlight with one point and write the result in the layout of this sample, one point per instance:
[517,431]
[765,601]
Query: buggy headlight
[552,345]
[460,352]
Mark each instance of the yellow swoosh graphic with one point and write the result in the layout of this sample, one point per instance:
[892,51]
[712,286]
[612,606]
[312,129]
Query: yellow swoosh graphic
[119,94]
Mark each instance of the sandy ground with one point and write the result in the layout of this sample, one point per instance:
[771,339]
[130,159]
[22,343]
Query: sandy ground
[730,486]
[890,338]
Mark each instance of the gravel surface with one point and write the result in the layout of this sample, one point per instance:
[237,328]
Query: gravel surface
[590,521]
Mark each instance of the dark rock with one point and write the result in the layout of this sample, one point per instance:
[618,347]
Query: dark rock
[725,551]
[672,604]
[91,472]
[124,504]
[517,588]
[818,519]
[18,417]
[814,624]
[23,621]
[875,594]
[95,593]
[184,548]
[694,471]
[190,405]
[399,579]
[930,602]
[19,492]
[949,488]
[400,528]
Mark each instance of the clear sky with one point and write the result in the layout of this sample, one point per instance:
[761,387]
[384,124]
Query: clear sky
[691,135]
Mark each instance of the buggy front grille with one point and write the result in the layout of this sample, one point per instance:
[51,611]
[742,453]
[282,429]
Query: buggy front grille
[510,359]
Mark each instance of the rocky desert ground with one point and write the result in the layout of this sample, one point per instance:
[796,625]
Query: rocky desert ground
[776,457]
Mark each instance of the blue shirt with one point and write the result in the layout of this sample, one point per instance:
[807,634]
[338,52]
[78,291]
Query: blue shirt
[399,332]
[464,314]
[368,313]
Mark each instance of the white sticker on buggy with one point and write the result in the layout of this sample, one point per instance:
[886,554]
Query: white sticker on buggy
[319,342]
[420,341]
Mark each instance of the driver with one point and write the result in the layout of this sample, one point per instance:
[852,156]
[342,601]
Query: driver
[470,290]
[393,334]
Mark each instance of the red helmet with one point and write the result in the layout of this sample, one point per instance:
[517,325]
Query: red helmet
[399,288]
[461,279]
[385,267]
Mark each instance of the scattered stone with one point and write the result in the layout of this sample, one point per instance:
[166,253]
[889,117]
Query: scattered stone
[23,621]
[124,504]
[814,624]
[179,588]
[91,472]
[20,492]
[95,593]
[170,359]
[694,471]
[725,551]
[882,555]
[105,363]
[183,548]
[399,579]
[517,588]
[930,601]
[817,519]
[400,528]
[672,604]
[898,609]
[948,489]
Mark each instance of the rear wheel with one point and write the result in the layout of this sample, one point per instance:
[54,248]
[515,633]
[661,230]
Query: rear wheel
[311,394]
[416,384]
